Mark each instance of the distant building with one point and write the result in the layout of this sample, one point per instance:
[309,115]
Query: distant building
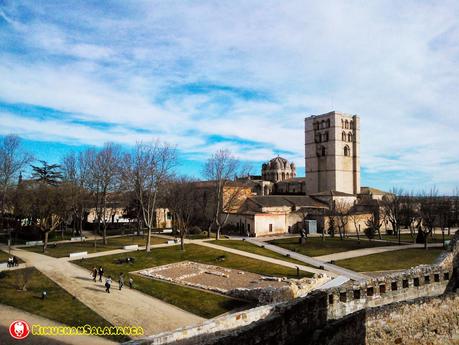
[281,202]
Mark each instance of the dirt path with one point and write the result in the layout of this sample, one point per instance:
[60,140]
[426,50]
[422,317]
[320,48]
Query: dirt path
[126,307]
[9,314]
[332,269]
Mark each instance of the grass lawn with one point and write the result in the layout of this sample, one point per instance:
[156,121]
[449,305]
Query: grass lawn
[58,306]
[252,248]
[204,304]
[436,238]
[198,302]
[394,260]
[315,246]
[64,249]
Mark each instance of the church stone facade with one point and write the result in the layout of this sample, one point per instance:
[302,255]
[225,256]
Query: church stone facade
[332,147]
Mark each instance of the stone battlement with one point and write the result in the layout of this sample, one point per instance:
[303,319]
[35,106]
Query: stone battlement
[313,314]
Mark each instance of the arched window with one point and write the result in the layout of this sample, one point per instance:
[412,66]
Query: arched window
[322,124]
[343,136]
[342,123]
[317,138]
[325,136]
[328,123]
[346,124]
[351,125]
[349,137]
[347,151]
[283,176]
[324,151]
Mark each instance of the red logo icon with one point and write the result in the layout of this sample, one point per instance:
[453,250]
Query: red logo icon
[19,329]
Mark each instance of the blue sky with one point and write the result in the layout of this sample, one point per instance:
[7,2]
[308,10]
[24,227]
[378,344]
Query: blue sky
[240,75]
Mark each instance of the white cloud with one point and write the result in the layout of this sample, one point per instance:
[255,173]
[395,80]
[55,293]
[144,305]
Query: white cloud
[395,64]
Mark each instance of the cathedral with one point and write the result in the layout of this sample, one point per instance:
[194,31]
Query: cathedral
[282,202]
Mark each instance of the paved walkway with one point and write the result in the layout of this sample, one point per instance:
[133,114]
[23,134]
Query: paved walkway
[9,314]
[311,261]
[126,307]
[368,251]
[18,267]
[262,258]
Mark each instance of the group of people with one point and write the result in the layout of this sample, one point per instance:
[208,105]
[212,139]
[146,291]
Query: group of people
[12,261]
[108,281]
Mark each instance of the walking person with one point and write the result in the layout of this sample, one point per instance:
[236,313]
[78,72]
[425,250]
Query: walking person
[94,273]
[108,283]
[10,262]
[131,282]
[121,280]
[101,273]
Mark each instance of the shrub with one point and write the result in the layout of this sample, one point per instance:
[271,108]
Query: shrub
[369,232]
[195,230]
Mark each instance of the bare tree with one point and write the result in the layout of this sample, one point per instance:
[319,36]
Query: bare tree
[180,200]
[455,210]
[392,205]
[444,213]
[74,191]
[341,214]
[409,211]
[22,278]
[356,219]
[148,169]
[221,168]
[428,212]
[374,224]
[12,161]
[106,173]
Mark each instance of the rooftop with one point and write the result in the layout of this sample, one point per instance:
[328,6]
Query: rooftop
[287,200]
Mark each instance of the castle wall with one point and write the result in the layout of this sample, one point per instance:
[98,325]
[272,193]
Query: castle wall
[349,314]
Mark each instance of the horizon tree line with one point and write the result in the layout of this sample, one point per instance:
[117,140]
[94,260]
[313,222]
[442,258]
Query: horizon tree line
[143,179]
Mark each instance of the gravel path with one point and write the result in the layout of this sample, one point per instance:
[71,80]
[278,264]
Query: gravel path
[333,269]
[126,307]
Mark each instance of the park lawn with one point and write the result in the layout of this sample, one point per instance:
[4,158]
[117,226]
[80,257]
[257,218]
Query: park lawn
[436,238]
[59,250]
[393,260]
[205,304]
[4,256]
[59,305]
[192,252]
[199,302]
[252,248]
[315,246]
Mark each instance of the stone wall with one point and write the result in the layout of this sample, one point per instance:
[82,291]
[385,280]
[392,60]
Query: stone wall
[349,314]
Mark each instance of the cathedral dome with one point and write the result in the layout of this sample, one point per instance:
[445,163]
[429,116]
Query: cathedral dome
[278,163]
[278,169]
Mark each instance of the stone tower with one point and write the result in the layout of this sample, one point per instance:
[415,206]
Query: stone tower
[332,145]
